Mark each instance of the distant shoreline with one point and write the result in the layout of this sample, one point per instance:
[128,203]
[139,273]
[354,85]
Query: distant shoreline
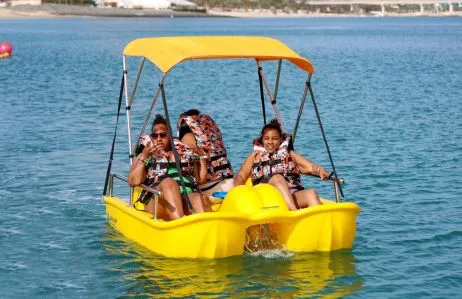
[60,11]
[269,14]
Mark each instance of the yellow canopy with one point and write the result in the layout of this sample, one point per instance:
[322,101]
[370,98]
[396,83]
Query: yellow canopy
[166,52]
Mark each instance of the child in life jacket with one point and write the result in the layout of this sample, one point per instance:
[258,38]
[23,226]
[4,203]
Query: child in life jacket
[155,167]
[200,131]
[274,161]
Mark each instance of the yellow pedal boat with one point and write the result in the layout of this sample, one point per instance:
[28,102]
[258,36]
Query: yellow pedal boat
[248,213]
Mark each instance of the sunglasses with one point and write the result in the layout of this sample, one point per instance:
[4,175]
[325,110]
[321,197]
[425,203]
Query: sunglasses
[161,135]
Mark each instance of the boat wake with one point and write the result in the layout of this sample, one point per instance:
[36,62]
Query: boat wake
[272,254]
[261,240]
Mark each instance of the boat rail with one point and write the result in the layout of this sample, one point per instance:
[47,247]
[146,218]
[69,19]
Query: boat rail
[156,193]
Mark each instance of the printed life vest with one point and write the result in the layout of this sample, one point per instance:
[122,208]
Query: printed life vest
[160,167]
[208,137]
[280,162]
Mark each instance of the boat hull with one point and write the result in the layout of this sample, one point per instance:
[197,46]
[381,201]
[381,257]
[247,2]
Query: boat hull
[206,235]
[328,227]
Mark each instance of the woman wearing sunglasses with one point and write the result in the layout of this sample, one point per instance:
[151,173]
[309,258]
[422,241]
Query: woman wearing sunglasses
[274,161]
[155,167]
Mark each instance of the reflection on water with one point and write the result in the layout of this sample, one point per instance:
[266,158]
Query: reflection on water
[274,274]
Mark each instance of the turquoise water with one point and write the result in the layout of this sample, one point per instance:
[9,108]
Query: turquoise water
[389,92]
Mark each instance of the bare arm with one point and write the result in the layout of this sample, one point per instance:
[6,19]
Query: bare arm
[200,171]
[203,171]
[307,167]
[200,167]
[137,174]
[189,139]
[245,171]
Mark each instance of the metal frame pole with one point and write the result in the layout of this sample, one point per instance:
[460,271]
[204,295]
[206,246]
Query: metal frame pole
[336,179]
[273,100]
[336,191]
[172,144]
[140,69]
[300,109]
[276,85]
[111,184]
[127,109]
[156,199]
[154,101]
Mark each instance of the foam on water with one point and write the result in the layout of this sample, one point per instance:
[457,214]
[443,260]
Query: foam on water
[272,253]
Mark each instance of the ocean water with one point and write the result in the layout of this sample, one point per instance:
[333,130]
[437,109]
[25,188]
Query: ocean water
[389,91]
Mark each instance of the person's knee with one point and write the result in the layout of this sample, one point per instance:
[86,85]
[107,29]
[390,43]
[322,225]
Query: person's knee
[311,193]
[168,183]
[312,197]
[277,179]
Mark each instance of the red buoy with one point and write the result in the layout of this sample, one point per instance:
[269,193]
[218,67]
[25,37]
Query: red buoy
[6,50]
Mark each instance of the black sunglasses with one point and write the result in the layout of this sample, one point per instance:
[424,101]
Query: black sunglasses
[161,135]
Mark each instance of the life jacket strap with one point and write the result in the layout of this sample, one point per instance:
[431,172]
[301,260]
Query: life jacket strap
[165,165]
[221,167]
[214,158]
[266,163]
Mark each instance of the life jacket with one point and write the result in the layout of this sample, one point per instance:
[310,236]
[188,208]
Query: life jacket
[208,137]
[160,167]
[280,162]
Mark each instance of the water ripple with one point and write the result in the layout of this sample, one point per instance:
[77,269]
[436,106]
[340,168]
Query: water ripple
[388,90]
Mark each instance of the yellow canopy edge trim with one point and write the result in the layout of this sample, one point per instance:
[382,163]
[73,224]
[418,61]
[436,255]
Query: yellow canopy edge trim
[166,52]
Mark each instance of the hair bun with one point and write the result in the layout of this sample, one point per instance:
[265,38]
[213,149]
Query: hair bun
[275,122]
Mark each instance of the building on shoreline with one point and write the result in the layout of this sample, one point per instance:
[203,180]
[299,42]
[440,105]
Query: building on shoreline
[148,4]
[184,8]
[140,4]
[21,2]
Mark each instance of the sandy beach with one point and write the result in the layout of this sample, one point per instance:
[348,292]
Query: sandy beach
[6,13]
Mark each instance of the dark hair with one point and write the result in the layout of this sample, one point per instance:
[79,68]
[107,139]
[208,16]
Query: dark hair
[191,112]
[273,124]
[183,127]
[159,120]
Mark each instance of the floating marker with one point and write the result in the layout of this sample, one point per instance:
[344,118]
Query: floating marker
[6,50]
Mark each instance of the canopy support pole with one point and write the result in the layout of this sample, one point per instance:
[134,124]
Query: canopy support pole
[154,101]
[300,109]
[334,171]
[127,109]
[273,100]
[262,96]
[140,69]
[276,85]
[172,144]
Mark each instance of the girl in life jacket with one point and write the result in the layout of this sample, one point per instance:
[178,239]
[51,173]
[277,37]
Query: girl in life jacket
[274,161]
[199,130]
[155,167]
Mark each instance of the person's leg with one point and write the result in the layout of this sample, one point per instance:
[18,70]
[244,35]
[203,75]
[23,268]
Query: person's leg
[280,183]
[161,212]
[200,202]
[169,202]
[307,198]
